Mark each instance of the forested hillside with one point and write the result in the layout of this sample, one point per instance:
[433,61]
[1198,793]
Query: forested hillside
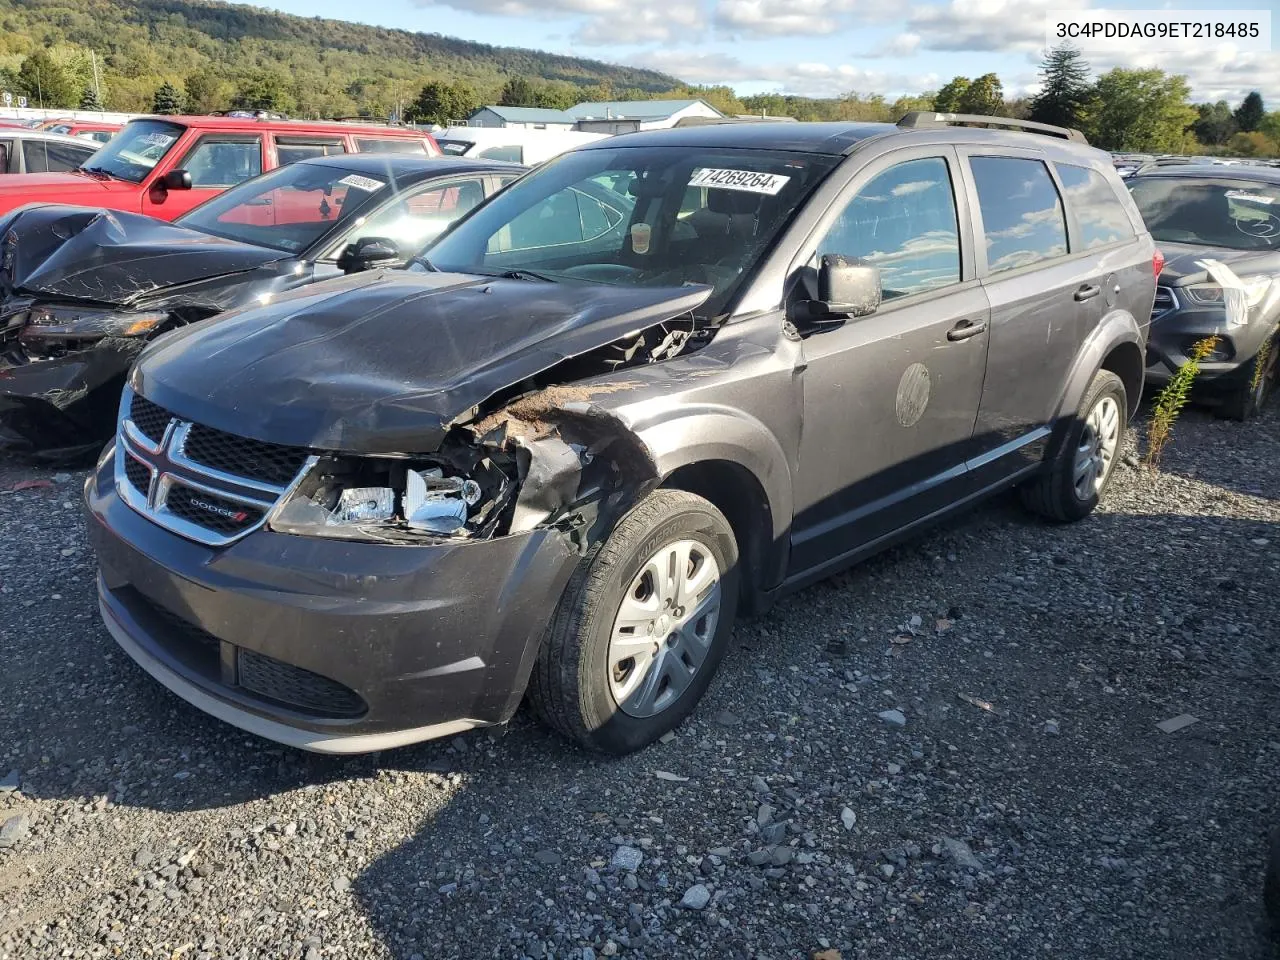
[218,55]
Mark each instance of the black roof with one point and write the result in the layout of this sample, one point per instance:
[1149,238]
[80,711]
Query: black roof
[1212,171]
[831,138]
[409,166]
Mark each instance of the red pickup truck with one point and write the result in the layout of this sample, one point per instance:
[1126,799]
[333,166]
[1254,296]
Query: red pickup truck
[164,166]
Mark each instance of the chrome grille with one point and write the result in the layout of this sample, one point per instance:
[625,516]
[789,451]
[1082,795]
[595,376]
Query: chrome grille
[219,494]
[1166,302]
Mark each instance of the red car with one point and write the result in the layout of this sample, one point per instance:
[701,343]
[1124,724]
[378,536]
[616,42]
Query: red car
[87,129]
[164,166]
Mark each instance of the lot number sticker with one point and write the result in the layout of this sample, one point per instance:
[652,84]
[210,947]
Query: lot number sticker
[361,183]
[748,181]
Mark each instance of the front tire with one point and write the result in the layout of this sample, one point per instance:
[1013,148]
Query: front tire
[1079,475]
[1245,398]
[642,626]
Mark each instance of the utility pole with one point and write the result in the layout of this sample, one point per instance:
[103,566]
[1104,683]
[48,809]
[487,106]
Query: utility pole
[39,93]
[97,91]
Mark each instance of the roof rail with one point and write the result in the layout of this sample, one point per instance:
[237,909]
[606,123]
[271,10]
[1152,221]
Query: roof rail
[918,119]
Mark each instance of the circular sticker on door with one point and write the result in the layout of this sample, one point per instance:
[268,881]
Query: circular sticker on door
[913,394]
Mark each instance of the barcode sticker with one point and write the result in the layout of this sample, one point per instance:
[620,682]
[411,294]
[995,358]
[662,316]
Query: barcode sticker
[748,181]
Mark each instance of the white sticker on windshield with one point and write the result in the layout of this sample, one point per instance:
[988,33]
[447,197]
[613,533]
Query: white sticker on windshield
[361,183]
[1250,197]
[157,139]
[749,181]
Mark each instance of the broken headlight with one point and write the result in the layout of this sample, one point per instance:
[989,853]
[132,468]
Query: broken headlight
[78,323]
[397,501]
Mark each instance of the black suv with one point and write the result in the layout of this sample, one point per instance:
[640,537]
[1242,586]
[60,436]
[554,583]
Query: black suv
[653,384]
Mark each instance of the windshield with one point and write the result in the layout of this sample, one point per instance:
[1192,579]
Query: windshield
[454,148]
[289,208]
[637,216]
[1240,214]
[136,149]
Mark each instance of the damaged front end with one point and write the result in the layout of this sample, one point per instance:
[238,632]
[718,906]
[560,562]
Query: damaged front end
[551,459]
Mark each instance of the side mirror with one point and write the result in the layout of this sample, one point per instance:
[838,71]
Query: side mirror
[848,287]
[366,253]
[176,180]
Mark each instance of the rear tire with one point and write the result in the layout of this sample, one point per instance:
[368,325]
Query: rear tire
[584,685]
[1093,443]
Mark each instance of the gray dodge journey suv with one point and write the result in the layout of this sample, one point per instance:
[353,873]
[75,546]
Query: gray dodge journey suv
[653,385]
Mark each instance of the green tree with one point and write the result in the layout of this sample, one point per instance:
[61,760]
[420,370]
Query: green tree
[1142,110]
[208,92]
[1064,88]
[518,92]
[440,102]
[985,97]
[46,83]
[1270,126]
[556,96]
[950,97]
[263,90]
[1250,112]
[1254,144]
[168,99]
[90,100]
[1216,124]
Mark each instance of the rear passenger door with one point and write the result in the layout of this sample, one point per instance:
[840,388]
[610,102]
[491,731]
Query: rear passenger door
[1039,296]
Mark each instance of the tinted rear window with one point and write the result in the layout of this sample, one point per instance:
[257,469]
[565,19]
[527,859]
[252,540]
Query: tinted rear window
[1021,212]
[514,153]
[390,146]
[44,157]
[1101,218]
[291,151]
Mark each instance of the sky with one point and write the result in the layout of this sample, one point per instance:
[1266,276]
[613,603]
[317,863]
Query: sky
[817,47]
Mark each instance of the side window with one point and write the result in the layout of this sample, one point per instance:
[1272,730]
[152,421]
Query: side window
[223,163]
[1099,213]
[904,222]
[291,150]
[6,147]
[1021,212]
[44,157]
[567,217]
[406,145]
[514,153]
[417,216]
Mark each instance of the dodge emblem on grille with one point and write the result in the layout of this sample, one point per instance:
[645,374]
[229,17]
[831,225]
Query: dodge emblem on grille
[237,515]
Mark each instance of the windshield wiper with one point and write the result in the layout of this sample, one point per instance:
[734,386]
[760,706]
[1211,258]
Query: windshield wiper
[525,275]
[97,171]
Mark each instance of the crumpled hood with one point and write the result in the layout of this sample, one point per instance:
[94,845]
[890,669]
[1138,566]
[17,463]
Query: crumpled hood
[112,257]
[386,362]
[1180,261]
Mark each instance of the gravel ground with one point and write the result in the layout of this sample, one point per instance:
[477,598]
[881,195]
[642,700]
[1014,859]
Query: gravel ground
[1020,802]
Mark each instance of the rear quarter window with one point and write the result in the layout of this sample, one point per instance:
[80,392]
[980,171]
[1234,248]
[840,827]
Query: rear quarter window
[44,157]
[368,145]
[1099,214]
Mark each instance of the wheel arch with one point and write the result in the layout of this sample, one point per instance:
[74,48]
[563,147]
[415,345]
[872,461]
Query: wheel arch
[1116,344]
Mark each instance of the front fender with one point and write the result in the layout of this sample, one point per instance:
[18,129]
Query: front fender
[699,433]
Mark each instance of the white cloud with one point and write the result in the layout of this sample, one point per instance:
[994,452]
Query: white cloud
[1218,73]
[985,25]
[805,79]
[796,17]
[649,24]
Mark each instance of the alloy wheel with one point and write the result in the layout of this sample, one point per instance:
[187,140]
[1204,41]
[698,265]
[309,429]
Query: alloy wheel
[1096,451]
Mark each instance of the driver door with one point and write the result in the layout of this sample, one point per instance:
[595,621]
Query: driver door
[890,399]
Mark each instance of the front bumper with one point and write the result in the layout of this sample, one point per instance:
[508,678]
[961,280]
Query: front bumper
[1173,333]
[332,646]
[65,405]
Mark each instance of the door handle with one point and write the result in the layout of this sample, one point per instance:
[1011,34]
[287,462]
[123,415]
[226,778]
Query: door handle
[1087,292]
[965,329]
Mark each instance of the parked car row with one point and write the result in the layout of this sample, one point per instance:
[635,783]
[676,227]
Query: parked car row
[595,412]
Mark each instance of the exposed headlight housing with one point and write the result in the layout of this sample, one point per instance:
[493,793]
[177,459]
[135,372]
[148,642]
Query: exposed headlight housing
[1255,289]
[81,323]
[389,500]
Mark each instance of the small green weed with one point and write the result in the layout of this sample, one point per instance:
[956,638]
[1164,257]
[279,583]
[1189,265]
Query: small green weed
[1172,399]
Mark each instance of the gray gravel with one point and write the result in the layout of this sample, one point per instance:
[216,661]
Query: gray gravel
[1026,805]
